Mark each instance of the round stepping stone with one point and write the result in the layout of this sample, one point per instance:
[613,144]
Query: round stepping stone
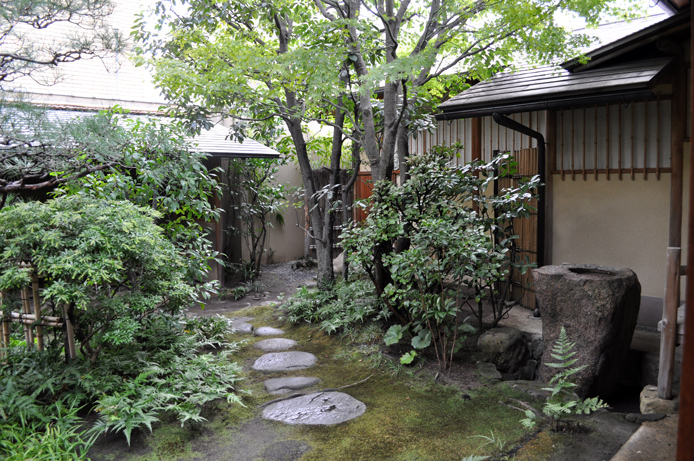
[284,361]
[275,344]
[286,385]
[322,408]
[241,325]
[268,331]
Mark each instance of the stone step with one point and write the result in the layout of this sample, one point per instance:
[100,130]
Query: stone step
[275,344]
[241,324]
[321,408]
[284,361]
[268,331]
[286,385]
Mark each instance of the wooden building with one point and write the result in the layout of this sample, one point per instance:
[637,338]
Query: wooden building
[614,131]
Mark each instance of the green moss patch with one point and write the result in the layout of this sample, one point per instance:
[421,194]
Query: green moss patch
[408,416]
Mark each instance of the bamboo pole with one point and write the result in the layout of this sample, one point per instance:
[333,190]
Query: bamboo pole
[633,129]
[585,167]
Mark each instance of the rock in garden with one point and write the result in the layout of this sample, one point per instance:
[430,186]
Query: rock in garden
[651,403]
[284,361]
[286,450]
[241,324]
[506,348]
[322,408]
[286,385]
[488,373]
[268,331]
[598,307]
[275,344]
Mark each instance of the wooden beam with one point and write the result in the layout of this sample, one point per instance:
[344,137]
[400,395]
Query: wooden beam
[678,121]
[685,426]
[476,139]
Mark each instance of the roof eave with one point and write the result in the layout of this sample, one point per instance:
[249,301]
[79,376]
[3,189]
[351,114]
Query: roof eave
[648,35]
[548,104]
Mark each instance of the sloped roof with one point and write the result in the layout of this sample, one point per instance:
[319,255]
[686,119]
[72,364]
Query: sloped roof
[549,87]
[215,141]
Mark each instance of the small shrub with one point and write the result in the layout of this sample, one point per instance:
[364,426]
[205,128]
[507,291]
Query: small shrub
[345,304]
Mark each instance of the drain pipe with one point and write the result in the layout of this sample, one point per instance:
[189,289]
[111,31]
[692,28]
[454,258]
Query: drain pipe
[515,126]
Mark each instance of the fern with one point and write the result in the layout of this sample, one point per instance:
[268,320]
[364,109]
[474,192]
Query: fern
[561,402]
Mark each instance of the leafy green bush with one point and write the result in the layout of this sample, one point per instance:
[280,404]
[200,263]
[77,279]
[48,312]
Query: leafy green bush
[107,261]
[438,242]
[160,371]
[336,308]
[157,169]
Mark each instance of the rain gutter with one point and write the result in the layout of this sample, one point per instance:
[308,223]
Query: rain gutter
[515,126]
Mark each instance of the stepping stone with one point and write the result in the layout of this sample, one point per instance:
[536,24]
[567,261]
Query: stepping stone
[286,450]
[284,361]
[321,408]
[241,324]
[268,331]
[275,344]
[286,385]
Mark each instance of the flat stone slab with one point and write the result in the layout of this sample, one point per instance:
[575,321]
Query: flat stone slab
[268,331]
[241,324]
[322,408]
[275,344]
[284,361]
[286,385]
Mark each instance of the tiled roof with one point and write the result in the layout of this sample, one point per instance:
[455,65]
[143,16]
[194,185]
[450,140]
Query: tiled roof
[552,87]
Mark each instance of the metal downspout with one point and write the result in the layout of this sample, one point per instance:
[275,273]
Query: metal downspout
[515,126]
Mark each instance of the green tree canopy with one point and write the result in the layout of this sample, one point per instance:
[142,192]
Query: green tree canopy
[324,61]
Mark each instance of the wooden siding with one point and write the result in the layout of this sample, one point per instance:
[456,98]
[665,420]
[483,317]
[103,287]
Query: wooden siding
[621,139]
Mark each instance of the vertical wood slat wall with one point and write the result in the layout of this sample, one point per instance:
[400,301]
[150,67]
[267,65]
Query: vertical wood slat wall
[616,139]
[494,136]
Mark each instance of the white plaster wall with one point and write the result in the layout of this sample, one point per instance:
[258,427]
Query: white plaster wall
[286,241]
[614,223]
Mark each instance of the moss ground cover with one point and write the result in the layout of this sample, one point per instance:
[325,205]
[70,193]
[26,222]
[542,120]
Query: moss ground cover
[409,415]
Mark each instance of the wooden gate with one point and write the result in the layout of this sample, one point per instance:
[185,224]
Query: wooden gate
[526,246]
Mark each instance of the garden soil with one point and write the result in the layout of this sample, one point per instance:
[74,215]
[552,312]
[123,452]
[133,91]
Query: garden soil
[601,436]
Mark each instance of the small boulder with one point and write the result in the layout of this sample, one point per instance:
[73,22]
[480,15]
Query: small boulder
[651,403]
[488,373]
[506,347]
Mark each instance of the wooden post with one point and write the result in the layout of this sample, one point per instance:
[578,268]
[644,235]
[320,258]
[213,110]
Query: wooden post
[70,351]
[37,309]
[685,424]
[28,332]
[668,333]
